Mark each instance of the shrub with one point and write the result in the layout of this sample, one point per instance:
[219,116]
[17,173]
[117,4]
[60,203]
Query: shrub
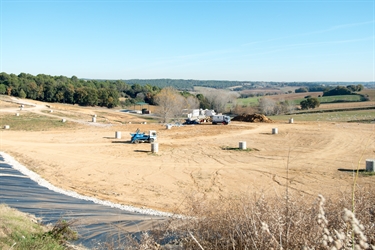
[301,90]
[310,102]
[339,90]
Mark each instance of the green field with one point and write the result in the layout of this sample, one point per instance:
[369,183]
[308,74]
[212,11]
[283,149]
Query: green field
[250,101]
[254,101]
[343,116]
[335,98]
[33,122]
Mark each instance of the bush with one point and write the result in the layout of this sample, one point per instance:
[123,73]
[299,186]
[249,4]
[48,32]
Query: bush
[339,90]
[310,103]
[22,231]
[301,90]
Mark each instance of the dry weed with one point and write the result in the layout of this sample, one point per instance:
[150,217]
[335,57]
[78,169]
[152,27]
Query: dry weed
[274,223]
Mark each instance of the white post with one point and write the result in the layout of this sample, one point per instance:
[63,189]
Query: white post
[154,147]
[17,114]
[274,131]
[370,165]
[291,120]
[242,145]
[118,135]
[94,119]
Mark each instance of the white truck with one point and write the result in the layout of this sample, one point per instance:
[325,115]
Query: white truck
[224,119]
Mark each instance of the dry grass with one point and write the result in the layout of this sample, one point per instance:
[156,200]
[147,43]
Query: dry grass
[34,122]
[259,222]
[22,231]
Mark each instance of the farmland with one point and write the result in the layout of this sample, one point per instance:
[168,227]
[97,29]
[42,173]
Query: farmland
[345,101]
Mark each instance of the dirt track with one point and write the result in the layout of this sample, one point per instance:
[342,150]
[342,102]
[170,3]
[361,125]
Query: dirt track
[191,159]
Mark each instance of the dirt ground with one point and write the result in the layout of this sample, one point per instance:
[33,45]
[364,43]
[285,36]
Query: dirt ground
[197,160]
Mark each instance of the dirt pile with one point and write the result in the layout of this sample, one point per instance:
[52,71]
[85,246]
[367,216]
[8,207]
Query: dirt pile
[252,118]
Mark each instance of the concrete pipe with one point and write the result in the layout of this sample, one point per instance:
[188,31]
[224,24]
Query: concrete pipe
[154,147]
[370,165]
[242,145]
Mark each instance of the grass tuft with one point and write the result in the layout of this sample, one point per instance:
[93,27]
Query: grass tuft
[22,231]
[238,149]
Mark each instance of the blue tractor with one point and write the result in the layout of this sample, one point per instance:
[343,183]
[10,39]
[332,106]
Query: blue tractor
[138,137]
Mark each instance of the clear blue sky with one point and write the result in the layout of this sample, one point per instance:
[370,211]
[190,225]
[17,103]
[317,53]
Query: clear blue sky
[316,40]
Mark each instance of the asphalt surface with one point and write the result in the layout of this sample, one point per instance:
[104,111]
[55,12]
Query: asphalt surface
[95,223]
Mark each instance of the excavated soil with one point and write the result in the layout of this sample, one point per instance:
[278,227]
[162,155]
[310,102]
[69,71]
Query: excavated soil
[252,118]
[303,156]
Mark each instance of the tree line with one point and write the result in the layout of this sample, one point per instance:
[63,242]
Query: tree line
[60,89]
[75,91]
[330,90]
[106,93]
[342,90]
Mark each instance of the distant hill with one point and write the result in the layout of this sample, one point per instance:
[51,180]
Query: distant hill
[189,84]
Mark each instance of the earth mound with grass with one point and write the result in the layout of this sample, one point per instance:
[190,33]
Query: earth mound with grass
[252,118]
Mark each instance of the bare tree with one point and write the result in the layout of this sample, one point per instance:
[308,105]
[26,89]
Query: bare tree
[243,109]
[267,106]
[289,106]
[191,102]
[218,99]
[170,103]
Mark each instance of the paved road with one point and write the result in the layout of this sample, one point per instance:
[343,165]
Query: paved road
[96,222]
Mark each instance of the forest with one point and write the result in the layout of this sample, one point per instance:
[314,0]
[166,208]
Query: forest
[107,93]
[73,90]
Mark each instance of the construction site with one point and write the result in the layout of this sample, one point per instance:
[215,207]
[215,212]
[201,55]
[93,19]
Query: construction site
[74,152]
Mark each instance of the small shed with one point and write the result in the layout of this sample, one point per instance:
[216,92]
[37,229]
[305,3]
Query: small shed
[142,104]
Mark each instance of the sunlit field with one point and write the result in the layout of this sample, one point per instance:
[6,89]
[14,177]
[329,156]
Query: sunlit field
[343,116]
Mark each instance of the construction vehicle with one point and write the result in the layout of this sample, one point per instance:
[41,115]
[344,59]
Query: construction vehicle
[138,137]
[191,122]
[224,119]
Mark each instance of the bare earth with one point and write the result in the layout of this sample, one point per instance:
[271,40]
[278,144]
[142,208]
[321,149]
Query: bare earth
[191,160]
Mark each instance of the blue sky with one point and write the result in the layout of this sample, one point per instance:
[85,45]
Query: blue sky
[249,40]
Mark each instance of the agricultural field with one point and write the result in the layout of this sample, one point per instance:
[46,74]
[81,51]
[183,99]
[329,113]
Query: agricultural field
[296,98]
[366,116]
[370,93]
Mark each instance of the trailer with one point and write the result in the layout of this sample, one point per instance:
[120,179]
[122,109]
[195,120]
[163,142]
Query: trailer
[223,119]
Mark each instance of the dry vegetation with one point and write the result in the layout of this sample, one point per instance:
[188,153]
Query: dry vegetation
[23,231]
[262,222]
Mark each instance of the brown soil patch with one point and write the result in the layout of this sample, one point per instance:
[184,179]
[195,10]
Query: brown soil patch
[191,160]
[252,118]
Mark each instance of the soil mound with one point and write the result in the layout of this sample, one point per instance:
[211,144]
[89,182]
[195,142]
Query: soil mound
[252,118]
